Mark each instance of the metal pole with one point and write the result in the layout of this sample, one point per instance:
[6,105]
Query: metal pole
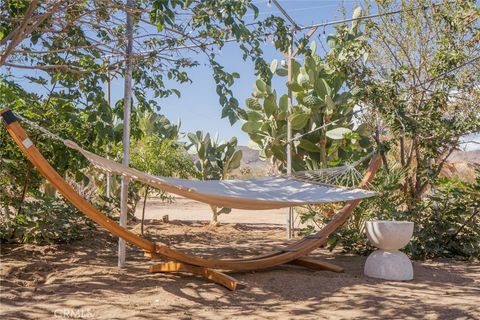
[289,130]
[127,100]
[109,176]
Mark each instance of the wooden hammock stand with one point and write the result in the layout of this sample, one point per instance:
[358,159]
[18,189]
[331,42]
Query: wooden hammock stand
[294,254]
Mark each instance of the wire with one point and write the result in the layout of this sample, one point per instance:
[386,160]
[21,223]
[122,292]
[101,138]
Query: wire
[449,71]
[323,126]
[329,23]
[376,15]
[284,12]
[262,13]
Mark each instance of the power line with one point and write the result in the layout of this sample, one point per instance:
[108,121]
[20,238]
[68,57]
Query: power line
[376,15]
[466,63]
[285,13]
[296,10]
[300,28]
[330,23]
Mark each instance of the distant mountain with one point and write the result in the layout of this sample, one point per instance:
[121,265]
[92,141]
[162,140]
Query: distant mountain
[460,164]
[463,165]
[251,158]
[251,165]
[465,156]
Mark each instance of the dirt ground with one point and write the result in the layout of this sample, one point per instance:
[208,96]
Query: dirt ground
[81,281]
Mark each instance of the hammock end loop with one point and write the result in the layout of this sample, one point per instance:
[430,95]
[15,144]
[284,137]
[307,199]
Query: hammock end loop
[8,116]
[72,145]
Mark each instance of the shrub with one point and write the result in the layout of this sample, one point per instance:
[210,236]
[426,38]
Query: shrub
[42,220]
[446,221]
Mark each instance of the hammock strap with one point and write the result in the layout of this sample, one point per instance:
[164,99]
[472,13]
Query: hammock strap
[40,128]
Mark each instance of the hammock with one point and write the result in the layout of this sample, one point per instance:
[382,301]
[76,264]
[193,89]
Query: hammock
[257,194]
[254,194]
[178,261]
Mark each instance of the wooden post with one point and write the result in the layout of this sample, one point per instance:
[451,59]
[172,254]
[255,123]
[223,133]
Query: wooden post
[126,130]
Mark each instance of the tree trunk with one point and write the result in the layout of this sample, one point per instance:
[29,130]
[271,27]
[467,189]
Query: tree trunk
[143,209]
[382,153]
[323,150]
[214,219]
[24,190]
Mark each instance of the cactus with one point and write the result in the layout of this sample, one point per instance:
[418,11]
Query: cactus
[319,98]
[215,161]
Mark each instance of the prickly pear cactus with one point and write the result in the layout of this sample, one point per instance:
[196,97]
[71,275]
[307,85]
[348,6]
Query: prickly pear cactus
[215,161]
[320,97]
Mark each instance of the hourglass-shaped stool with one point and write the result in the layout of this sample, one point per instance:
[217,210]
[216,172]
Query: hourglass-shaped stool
[387,262]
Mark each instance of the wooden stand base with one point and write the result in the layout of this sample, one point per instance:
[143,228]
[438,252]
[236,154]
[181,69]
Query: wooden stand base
[230,282]
[293,254]
[212,275]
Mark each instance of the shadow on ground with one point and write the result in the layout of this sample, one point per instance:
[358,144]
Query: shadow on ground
[81,281]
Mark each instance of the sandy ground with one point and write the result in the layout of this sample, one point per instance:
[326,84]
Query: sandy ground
[188,210]
[81,280]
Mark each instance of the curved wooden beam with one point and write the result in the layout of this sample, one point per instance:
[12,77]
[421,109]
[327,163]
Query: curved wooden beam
[212,275]
[316,265]
[42,165]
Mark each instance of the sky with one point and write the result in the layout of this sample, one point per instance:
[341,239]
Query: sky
[198,107]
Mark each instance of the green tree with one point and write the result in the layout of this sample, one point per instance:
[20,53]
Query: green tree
[73,48]
[215,161]
[77,43]
[420,87]
[28,212]
[159,153]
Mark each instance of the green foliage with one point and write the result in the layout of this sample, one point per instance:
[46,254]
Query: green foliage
[159,153]
[75,49]
[417,90]
[446,221]
[215,161]
[448,225]
[42,220]
[321,101]
[416,84]
[62,118]
[75,46]
[166,158]
[155,150]
[26,213]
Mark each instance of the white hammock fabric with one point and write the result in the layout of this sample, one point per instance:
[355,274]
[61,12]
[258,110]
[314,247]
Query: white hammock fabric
[254,194]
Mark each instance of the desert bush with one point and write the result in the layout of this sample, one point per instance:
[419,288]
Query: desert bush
[419,87]
[446,220]
[23,215]
[41,220]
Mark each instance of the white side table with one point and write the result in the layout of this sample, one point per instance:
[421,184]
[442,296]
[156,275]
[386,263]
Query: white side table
[387,262]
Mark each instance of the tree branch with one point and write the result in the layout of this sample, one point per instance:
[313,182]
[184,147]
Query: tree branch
[18,34]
